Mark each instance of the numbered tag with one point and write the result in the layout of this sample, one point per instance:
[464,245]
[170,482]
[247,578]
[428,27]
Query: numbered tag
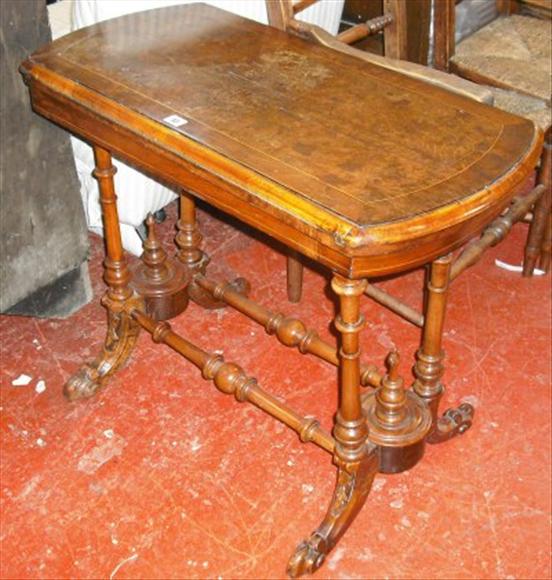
[175,120]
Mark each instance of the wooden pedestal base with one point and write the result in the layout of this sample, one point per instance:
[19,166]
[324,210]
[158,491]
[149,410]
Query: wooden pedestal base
[398,421]
[161,281]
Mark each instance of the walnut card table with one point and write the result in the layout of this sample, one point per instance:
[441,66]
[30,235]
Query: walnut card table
[364,170]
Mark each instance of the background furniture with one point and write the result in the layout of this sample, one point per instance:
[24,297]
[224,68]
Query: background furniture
[416,35]
[512,54]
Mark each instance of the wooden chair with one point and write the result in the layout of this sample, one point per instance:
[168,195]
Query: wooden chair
[512,55]
[282,15]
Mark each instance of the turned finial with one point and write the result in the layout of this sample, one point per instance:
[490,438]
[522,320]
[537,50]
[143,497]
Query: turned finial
[392,363]
[161,281]
[398,420]
[154,256]
[391,397]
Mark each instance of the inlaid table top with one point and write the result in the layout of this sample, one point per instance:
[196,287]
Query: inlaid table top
[348,162]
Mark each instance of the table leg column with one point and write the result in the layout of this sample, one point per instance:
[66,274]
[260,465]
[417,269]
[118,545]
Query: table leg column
[188,240]
[355,457]
[429,366]
[122,330]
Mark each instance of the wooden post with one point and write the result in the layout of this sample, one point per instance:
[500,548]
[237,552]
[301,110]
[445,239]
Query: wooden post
[541,214]
[294,276]
[116,274]
[444,29]
[188,239]
[429,359]
[122,331]
[350,430]
[356,458]
[395,35]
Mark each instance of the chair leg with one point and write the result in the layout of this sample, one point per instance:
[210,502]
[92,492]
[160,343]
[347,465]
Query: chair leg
[546,248]
[537,235]
[294,277]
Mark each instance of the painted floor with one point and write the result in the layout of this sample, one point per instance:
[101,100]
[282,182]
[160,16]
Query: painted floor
[162,476]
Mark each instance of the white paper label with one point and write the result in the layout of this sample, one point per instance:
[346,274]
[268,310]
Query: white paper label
[175,120]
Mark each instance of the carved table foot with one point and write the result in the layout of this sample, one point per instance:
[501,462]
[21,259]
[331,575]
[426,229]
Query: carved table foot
[206,299]
[453,422]
[122,332]
[354,481]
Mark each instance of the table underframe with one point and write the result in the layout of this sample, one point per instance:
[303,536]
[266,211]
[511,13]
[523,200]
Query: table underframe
[381,428]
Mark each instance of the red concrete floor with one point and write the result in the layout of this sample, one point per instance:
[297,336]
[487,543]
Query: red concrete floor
[162,476]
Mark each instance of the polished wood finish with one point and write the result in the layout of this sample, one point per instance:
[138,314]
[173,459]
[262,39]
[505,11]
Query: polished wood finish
[429,359]
[281,16]
[122,331]
[356,458]
[393,190]
[160,280]
[538,239]
[291,332]
[231,379]
[285,175]
[399,421]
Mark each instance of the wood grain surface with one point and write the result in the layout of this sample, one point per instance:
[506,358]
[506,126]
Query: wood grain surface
[343,153]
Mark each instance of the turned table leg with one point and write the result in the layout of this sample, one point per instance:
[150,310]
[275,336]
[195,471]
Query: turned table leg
[537,238]
[429,368]
[122,330]
[188,240]
[356,459]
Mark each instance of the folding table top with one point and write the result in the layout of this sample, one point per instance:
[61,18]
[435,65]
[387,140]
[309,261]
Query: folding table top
[350,143]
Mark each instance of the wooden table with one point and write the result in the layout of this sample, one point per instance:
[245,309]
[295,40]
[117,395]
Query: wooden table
[363,170]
